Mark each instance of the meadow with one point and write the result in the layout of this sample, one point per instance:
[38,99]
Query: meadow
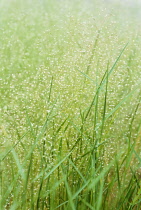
[70,105]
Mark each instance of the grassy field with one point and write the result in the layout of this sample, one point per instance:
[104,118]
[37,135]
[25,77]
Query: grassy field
[70,105]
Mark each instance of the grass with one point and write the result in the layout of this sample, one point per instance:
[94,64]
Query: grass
[70,105]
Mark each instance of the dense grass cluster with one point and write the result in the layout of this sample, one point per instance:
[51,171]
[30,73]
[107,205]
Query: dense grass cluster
[70,105]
